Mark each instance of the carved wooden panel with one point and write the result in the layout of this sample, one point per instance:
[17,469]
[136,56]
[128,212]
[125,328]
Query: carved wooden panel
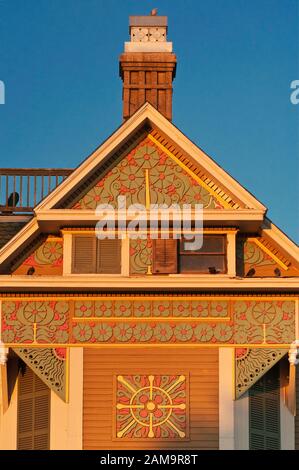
[50,365]
[252,364]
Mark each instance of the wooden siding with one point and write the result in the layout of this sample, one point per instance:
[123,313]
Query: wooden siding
[100,369]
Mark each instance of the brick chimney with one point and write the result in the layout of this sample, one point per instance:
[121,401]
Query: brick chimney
[148,66]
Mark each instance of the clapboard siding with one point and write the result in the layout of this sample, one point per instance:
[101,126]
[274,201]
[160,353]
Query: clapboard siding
[100,367]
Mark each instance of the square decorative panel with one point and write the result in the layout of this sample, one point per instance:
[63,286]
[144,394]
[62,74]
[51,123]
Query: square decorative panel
[151,407]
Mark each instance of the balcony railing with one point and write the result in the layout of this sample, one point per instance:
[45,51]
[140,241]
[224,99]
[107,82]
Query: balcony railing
[22,189]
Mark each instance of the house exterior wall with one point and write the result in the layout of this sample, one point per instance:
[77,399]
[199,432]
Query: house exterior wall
[198,395]
[226,398]
[8,423]
[241,423]
[66,418]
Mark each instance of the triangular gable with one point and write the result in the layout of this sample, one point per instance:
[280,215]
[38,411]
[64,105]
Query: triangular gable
[44,259]
[150,173]
[260,257]
[148,123]
[148,116]
[274,235]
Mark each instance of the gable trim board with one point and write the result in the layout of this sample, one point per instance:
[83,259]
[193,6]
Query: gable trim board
[268,251]
[278,236]
[111,282]
[190,172]
[23,237]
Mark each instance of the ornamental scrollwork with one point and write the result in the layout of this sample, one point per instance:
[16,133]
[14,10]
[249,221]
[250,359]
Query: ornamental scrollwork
[169,183]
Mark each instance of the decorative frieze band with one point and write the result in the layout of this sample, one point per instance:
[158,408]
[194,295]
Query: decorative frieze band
[147,320]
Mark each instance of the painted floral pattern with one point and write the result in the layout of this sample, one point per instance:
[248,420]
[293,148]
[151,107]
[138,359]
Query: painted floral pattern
[250,256]
[169,183]
[153,321]
[154,308]
[151,407]
[256,322]
[46,259]
[36,321]
[141,256]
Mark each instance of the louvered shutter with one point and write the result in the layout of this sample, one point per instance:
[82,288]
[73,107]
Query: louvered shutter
[165,256]
[33,413]
[264,412]
[109,256]
[84,254]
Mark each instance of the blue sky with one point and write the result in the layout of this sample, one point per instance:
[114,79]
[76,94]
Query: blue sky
[236,60]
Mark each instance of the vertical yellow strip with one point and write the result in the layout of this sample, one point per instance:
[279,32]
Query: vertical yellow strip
[264,333]
[4,386]
[292,390]
[234,374]
[147,190]
[67,375]
[34,332]
[148,204]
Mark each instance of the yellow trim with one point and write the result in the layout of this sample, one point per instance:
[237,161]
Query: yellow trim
[34,333]
[269,252]
[204,231]
[234,373]
[147,190]
[190,172]
[264,333]
[67,375]
[4,388]
[151,319]
[54,239]
[148,345]
[169,296]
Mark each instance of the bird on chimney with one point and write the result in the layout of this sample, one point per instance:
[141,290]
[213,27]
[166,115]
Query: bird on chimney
[154,12]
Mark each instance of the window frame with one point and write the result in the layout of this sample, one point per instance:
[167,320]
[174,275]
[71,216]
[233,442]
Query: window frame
[183,253]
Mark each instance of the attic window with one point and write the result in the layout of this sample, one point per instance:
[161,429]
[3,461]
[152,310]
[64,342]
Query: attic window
[209,259]
[173,256]
[91,255]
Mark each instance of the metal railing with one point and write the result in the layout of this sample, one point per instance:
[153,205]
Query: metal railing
[22,189]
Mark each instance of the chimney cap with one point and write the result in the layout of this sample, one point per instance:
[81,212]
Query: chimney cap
[150,21]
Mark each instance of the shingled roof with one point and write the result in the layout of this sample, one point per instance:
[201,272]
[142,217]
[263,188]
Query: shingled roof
[8,230]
